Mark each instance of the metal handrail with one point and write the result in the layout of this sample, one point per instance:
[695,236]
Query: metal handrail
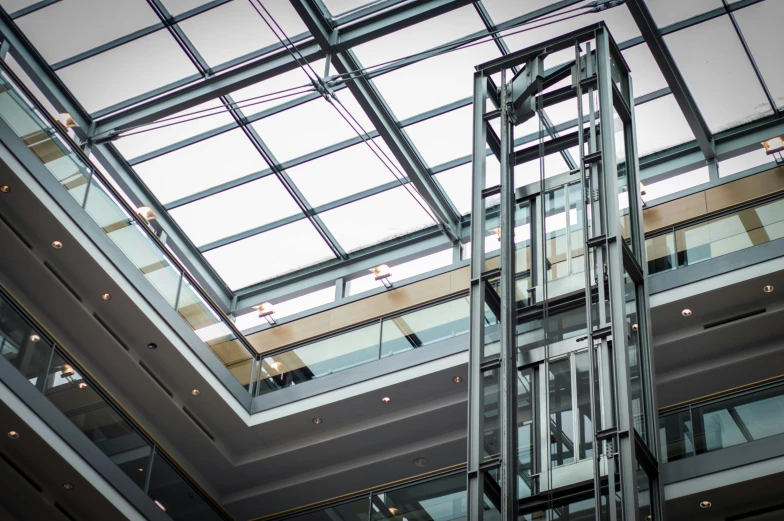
[56,126]
[708,398]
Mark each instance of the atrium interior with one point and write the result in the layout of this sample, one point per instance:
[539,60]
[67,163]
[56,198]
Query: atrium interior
[391,260]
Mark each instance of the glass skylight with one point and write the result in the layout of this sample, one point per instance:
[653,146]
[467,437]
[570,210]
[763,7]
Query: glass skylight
[756,157]
[454,131]
[660,124]
[176,7]
[761,27]
[646,76]
[200,166]
[376,219]
[666,12]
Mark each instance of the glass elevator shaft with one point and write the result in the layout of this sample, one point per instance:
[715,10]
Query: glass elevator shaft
[562,412]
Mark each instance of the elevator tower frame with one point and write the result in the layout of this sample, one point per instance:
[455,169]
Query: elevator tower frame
[562,409]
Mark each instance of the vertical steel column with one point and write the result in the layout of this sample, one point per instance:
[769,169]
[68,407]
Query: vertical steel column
[507,409]
[475,488]
[615,274]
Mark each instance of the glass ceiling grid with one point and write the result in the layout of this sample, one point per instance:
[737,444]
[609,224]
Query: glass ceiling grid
[327,176]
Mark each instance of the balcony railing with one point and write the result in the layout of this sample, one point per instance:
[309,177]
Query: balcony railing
[122,224]
[47,367]
[717,423]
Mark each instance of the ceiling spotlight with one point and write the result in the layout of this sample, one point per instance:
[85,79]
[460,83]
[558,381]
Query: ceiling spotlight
[152,345]
[775,147]
[146,213]
[386,399]
[57,245]
[13,435]
[106,296]
[686,312]
[635,327]
[317,421]
[68,370]
[82,385]
[34,338]
[195,392]
[457,379]
[383,273]
[420,462]
[66,120]
[68,486]
[266,310]
[705,504]
[141,469]
[768,289]
[393,511]
[160,506]
[5,189]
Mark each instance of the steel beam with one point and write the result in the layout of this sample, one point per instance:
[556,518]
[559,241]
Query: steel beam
[381,117]
[664,59]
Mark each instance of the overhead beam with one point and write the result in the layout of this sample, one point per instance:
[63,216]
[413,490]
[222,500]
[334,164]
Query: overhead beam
[387,127]
[664,59]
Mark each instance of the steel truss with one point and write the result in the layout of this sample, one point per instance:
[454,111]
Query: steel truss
[560,373]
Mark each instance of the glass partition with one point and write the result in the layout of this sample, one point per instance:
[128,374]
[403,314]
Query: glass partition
[90,409]
[132,234]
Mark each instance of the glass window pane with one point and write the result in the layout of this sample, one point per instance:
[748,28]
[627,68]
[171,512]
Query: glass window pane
[345,172]
[200,166]
[660,124]
[755,158]
[445,137]
[243,208]
[269,254]
[561,413]
[634,349]
[64,29]
[174,495]
[249,98]
[661,253]
[338,7]
[135,68]
[176,7]
[585,429]
[236,29]
[761,27]
[288,307]
[666,12]
[440,500]
[676,184]
[310,127]
[376,219]
[174,129]
[25,348]
[646,75]
[719,75]
[11,6]
[503,10]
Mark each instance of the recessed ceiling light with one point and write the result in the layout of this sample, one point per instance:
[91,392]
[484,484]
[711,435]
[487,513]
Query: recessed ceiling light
[34,338]
[420,462]
[686,312]
[57,245]
[5,189]
[317,421]
[705,504]
[13,435]
[141,469]
[106,296]
[768,289]
[152,345]
[635,327]
[68,486]
[82,385]
[386,399]
[457,379]
[195,392]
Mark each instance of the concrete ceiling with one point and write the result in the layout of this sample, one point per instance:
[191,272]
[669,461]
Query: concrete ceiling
[289,461]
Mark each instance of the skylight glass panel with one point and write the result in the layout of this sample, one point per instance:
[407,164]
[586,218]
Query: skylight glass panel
[445,137]
[200,166]
[270,254]
[12,6]
[338,7]
[261,96]
[666,12]
[755,158]
[176,7]
[309,127]
[504,10]
[718,74]
[457,183]
[530,171]
[237,210]
[343,173]
[646,75]
[452,72]
[660,124]
[676,184]
[236,29]
[420,37]
[761,27]
[376,219]
[65,29]
[135,68]
[173,129]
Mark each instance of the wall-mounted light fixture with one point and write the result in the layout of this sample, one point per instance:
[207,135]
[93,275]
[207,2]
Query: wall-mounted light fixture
[266,310]
[66,120]
[775,147]
[383,273]
[68,370]
[146,213]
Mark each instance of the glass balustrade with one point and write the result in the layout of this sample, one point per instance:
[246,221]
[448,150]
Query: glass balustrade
[47,367]
[128,231]
[730,420]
